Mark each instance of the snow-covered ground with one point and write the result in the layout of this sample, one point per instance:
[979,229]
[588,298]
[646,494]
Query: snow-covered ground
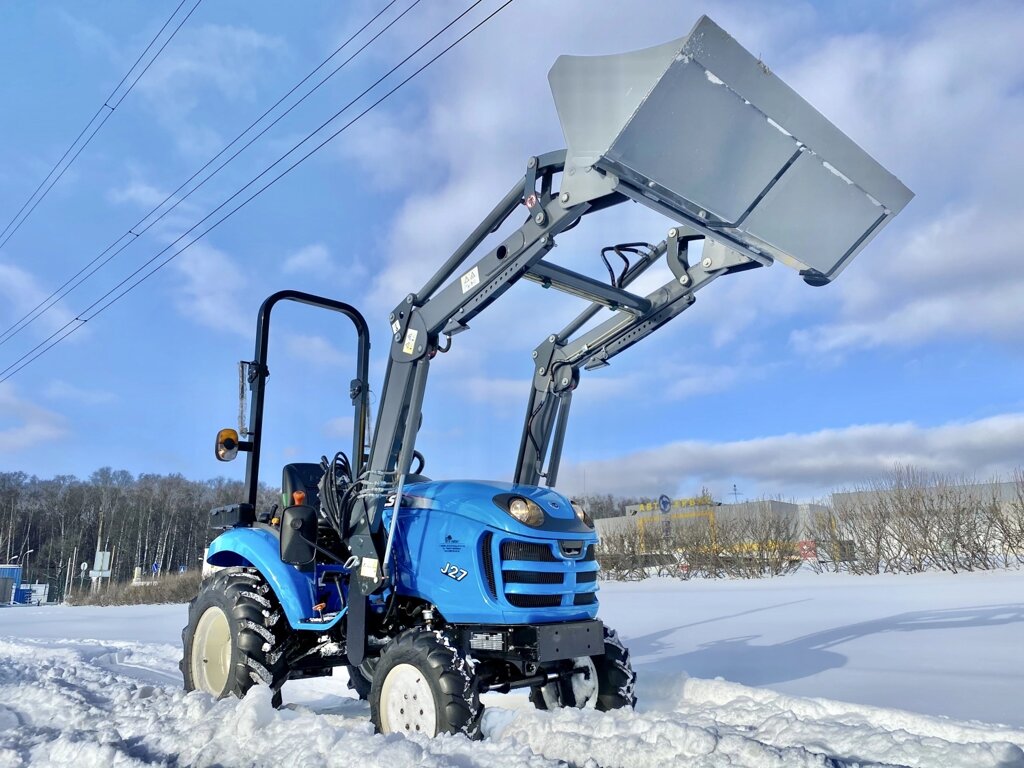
[929,664]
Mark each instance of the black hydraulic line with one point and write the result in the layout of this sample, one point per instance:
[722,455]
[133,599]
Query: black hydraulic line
[607,265]
[635,271]
[561,425]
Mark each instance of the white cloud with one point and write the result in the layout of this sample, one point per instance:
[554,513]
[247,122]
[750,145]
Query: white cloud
[89,37]
[314,350]
[311,258]
[139,193]
[508,396]
[488,108]
[383,145]
[810,463]
[340,426]
[24,424]
[205,61]
[481,389]
[211,289]
[957,277]
[62,390]
[695,380]
[942,106]
[21,293]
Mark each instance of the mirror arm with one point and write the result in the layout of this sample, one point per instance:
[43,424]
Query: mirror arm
[322,551]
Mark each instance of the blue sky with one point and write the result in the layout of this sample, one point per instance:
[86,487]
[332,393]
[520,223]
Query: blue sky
[914,355]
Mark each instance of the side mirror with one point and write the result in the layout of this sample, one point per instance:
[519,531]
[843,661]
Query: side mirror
[227,445]
[298,535]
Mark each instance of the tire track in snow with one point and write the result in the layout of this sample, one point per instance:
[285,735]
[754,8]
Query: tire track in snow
[92,703]
[62,708]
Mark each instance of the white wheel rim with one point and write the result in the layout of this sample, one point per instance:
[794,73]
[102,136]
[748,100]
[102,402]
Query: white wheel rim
[407,702]
[211,652]
[584,686]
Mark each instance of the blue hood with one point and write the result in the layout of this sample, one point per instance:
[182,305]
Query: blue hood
[474,499]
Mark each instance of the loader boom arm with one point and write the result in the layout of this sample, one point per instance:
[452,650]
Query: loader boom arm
[560,357]
[444,307]
[697,129]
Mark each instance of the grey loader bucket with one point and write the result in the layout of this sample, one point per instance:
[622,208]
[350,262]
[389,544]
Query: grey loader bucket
[702,131]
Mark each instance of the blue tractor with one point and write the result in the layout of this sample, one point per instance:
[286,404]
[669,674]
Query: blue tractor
[433,592]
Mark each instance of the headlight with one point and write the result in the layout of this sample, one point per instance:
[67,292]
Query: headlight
[581,514]
[525,511]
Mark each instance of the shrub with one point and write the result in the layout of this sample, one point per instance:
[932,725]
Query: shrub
[173,588]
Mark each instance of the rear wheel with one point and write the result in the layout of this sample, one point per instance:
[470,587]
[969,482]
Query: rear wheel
[234,639]
[607,682]
[423,685]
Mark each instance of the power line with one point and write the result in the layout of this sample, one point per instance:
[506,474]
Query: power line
[69,328]
[109,111]
[89,270]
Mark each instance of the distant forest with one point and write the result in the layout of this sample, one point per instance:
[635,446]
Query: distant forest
[51,525]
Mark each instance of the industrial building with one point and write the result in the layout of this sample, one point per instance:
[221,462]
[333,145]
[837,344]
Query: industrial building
[10,585]
[658,521]
[1006,494]
[682,511]
[14,591]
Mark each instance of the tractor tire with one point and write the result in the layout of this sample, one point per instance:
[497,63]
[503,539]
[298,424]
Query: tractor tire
[234,636]
[423,685]
[360,679]
[616,681]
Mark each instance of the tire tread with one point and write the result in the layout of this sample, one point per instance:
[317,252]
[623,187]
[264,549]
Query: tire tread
[253,612]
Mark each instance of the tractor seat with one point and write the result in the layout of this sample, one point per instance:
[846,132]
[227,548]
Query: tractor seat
[301,477]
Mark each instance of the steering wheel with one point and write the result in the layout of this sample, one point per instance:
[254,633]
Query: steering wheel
[423,463]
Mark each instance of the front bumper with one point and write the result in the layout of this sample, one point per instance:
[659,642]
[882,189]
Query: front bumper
[534,643]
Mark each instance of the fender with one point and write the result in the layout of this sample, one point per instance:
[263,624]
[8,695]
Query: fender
[260,549]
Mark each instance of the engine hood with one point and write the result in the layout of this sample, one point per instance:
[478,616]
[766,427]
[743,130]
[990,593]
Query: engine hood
[474,499]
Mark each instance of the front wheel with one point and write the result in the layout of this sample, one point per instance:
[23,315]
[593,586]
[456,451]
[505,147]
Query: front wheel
[607,682]
[233,639]
[360,679]
[423,685]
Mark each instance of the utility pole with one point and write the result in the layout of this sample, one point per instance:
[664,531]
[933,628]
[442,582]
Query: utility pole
[735,494]
[10,533]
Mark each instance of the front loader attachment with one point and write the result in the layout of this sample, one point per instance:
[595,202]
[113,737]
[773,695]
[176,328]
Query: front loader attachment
[702,131]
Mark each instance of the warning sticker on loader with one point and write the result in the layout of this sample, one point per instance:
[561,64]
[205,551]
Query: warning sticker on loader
[471,280]
[410,341]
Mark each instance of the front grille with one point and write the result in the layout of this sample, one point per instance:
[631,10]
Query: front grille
[530,570]
[488,560]
[572,549]
[591,554]
[525,550]
[535,601]
[531,577]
